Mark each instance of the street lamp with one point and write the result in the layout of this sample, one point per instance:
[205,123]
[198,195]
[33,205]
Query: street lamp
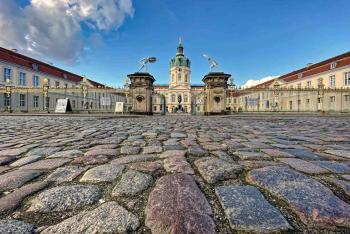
[320,94]
[8,88]
[84,90]
[45,93]
[276,92]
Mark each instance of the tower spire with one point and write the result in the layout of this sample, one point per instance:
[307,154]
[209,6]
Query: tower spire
[180,40]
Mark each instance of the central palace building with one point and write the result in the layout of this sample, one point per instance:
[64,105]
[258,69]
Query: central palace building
[179,95]
[27,85]
[323,86]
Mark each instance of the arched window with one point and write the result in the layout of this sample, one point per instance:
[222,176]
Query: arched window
[172,78]
[179,77]
[186,78]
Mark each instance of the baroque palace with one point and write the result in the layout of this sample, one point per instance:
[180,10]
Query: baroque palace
[180,95]
[324,86]
[30,85]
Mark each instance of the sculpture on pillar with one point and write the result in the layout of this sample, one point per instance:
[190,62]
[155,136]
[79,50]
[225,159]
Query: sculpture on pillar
[213,63]
[215,89]
[145,61]
[142,89]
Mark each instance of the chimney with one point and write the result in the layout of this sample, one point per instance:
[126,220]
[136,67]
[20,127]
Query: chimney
[14,50]
[309,64]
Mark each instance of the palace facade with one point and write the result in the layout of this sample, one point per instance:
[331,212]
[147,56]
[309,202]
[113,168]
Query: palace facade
[179,96]
[324,86]
[26,78]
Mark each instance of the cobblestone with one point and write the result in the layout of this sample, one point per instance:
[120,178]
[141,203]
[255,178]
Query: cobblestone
[175,174]
[247,210]
[108,218]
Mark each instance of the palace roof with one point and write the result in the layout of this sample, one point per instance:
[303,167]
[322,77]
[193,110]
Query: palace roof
[39,66]
[323,66]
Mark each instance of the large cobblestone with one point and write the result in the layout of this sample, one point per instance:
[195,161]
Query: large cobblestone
[175,174]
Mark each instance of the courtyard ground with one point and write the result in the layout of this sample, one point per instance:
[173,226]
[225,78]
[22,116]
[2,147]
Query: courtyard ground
[174,174]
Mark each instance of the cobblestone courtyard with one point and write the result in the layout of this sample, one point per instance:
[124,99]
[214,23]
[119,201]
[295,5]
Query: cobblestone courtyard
[174,174]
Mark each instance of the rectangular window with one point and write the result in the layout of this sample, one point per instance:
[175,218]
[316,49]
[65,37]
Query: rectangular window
[7,100]
[155,108]
[332,99]
[307,101]
[299,86]
[290,105]
[333,65]
[299,102]
[57,84]
[35,81]
[7,74]
[73,103]
[35,101]
[185,98]
[22,78]
[347,98]
[347,78]
[308,84]
[22,99]
[332,81]
[47,102]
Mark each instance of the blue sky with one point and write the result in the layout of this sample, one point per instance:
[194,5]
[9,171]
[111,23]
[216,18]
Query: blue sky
[250,39]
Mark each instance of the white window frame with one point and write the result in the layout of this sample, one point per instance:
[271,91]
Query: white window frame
[35,81]
[22,78]
[35,101]
[308,84]
[7,73]
[333,65]
[332,81]
[22,100]
[347,78]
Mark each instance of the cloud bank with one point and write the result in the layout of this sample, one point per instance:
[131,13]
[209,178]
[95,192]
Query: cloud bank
[54,28]
[251,83]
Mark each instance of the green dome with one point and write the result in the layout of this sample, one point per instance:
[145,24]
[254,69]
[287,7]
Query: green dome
[180,60]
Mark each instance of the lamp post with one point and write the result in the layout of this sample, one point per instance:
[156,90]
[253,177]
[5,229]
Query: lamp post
[276,92]
[232,88]
[84,90]
[45,94]
[8,88]
[320,94]
[127,93]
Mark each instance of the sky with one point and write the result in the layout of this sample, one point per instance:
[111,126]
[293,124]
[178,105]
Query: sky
[105,39]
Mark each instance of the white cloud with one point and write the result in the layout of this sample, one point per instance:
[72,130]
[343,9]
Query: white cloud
[251,83]
[53,28]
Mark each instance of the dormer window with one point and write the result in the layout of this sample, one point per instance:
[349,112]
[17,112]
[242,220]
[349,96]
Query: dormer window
[35,67]
[300,75]
[333,65]
[65,76]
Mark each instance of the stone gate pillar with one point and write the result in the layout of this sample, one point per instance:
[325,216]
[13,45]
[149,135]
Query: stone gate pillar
[215,92]
[141,91]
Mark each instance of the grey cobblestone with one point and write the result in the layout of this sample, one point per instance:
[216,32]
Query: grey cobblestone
[175,174]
